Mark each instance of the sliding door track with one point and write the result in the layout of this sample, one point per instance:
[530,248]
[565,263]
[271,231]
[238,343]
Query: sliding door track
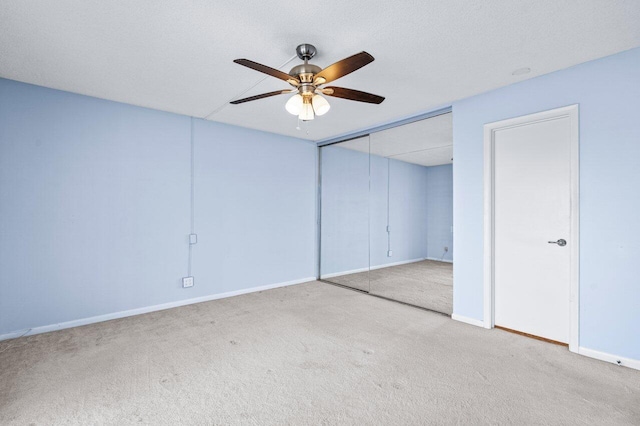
[382,297]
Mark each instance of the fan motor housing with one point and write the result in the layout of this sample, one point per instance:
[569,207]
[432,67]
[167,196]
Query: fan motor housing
[305,72]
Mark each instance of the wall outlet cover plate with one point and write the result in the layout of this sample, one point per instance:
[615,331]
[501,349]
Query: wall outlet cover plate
[187,282]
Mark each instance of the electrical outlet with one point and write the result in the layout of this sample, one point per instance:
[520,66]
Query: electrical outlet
[187,282]
[446,249]
[390,253]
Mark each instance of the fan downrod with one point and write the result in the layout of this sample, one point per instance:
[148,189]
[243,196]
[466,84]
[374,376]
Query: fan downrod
[306,51]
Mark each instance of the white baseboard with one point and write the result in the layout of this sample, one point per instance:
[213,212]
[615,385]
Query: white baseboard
[468,320]
[614,359]
[14,334]
[439,259]
[386,265]
[402,262]
[145,310]
[337,274]
[602,356]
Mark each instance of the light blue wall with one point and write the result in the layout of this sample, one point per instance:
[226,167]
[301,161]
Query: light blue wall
[255,207]
[354,210]
[344,210]
[408,209]
[608,92]
[95,207]
[379,205]
[440,212]
[421,211]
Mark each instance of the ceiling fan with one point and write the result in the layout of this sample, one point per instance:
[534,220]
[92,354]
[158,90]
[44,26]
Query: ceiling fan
[307,80]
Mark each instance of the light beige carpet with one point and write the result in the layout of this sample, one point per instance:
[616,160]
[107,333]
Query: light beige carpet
[306,354]
[428,284]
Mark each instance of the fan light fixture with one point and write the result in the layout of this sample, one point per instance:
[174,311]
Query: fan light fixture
[294,104]
[307,107]
[307,80]
[306,113]
[320,105]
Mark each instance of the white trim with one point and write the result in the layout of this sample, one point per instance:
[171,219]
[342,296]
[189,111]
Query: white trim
[337,274]
[574,295]
[402,262]
[574,243]
[14,334]
[603,356]
[386,265]
[467,320]
[146,309]
[437,259]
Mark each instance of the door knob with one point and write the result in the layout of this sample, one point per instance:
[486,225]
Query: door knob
[560,242]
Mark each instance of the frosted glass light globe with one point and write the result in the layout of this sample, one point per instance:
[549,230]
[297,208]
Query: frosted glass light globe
[306,113]
[294,104]
[320,105]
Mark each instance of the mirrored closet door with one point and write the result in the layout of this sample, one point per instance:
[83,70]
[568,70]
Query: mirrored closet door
[411,214]
[344,207]
[387,213]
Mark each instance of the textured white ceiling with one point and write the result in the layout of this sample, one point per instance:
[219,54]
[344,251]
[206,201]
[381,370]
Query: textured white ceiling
[427,142]
[177,55]
[429,157]
[360,144]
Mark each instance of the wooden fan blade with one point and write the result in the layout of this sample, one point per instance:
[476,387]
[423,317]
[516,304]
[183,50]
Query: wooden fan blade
[269,71]
[264,95]
[343,67]
[352,95]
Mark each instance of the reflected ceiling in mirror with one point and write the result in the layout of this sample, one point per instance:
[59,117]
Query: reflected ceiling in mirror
[426,142]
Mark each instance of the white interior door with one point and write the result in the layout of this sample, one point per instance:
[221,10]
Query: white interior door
[531,214]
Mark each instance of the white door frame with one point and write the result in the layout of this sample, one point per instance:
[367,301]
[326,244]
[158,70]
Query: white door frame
[573,240]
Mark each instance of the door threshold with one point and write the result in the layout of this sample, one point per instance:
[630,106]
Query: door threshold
[532,336]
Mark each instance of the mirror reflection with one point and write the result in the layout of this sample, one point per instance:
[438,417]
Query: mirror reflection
[393,193]
[344,228]
[411,214]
